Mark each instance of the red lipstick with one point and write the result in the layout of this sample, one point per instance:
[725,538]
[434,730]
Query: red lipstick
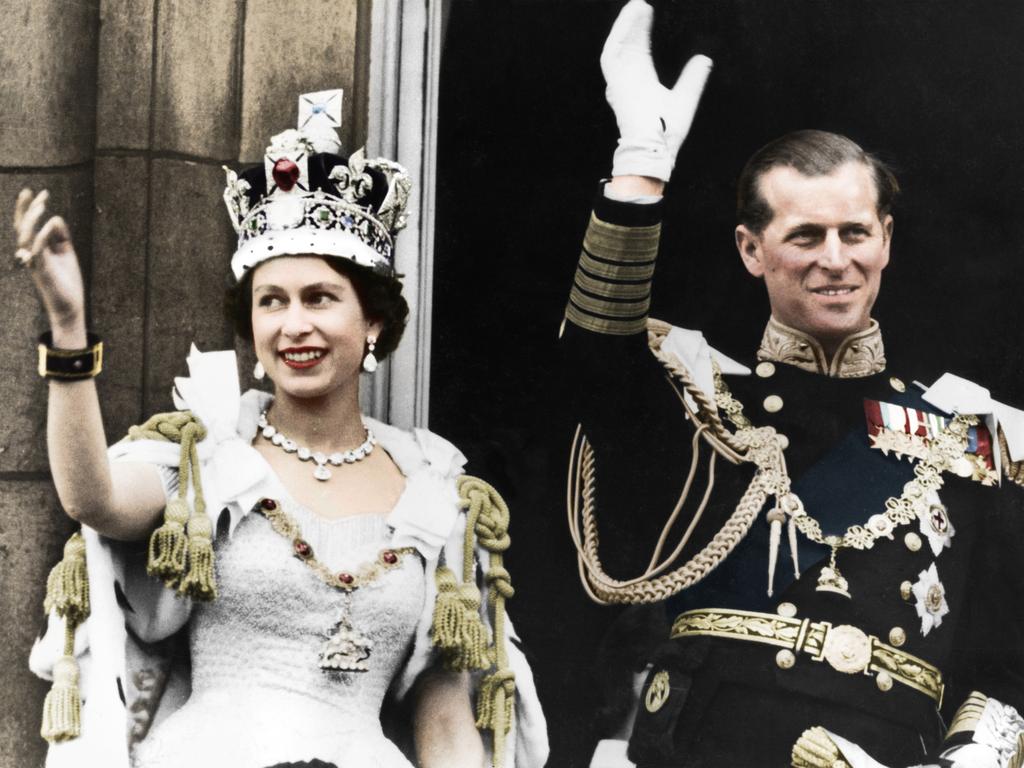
[314,356]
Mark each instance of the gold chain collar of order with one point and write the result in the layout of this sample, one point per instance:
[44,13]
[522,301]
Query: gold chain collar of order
[347,649]
[943,450]
[348,581]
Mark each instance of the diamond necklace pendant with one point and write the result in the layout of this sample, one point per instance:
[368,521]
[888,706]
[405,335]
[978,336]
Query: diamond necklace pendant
[321,472]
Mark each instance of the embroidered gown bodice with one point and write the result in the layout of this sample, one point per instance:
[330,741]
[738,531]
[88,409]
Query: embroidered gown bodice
[259,696]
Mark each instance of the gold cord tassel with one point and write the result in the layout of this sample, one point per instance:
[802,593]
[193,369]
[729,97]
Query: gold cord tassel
[457,628]
[473,646]
[199,582]
[448,610]
[67,586]
[488,519]
[181,549]
[168,546]
[495,701]
[62,708]
[67,594]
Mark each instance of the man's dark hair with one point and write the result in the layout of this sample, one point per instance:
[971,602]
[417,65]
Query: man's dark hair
[380,297]
[812,153]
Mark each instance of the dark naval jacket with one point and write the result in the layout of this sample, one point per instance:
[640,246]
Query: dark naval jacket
[946,589]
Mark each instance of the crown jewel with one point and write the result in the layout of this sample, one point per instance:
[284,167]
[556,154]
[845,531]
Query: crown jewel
[308,199]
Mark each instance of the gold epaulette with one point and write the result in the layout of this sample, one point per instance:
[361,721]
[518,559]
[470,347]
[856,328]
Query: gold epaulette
[181,549]
[1014,470]
[611,292]
[458,629]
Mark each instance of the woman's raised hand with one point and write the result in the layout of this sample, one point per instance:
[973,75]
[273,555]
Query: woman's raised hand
[45,248]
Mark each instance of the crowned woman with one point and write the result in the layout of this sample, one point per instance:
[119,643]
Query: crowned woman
[257,575]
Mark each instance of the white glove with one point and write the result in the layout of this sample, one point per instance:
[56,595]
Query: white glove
[653,120]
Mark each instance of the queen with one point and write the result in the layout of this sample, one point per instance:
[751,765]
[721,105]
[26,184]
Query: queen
[258,575]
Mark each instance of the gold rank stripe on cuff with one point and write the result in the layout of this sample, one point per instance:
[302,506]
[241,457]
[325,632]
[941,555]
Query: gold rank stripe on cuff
[845,648]
[612,286]
[969,714]
[622,291]
[618,243]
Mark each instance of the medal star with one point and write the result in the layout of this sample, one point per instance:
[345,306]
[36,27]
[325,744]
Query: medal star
[935,525]
[931,599]
[881,441]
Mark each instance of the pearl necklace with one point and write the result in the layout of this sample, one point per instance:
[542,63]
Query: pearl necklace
[321,471]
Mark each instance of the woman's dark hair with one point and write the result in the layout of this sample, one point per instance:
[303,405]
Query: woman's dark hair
[380,297]
[812,153]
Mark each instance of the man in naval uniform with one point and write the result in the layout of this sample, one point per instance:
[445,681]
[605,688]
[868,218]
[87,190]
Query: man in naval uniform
[842,568]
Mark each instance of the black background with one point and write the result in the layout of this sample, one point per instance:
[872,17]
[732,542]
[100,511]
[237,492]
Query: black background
[933,86]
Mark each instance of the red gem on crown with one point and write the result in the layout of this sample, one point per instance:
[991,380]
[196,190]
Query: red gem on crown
[268,504]
[302,549]
[389,557]
[286,174]
[345,578]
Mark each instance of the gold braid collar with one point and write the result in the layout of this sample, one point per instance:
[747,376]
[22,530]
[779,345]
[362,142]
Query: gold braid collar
[860,354]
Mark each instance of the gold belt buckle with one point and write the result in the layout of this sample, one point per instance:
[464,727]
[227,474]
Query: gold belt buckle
[847,649]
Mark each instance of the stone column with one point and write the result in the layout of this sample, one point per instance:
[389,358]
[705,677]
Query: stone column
[47,103]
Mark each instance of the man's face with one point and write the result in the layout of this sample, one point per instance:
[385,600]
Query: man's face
[823,252]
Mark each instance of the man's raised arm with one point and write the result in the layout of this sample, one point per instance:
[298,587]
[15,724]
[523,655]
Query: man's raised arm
[611,292]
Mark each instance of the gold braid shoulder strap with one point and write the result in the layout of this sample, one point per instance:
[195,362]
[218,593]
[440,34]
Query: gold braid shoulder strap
[458,629]
[757,445]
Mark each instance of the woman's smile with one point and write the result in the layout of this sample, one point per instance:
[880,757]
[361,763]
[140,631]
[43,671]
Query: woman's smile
[302,357]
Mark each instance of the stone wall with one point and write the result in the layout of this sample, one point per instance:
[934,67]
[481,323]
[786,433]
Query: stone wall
[126,110]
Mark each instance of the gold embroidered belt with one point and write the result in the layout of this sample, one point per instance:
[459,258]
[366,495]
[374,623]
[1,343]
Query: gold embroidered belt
[845,648]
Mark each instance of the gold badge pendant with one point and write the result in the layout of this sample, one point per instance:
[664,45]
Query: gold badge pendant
[346,650]
[830,579]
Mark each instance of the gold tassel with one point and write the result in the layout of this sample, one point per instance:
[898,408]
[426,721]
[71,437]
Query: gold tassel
[199,581]
[496,697]
[67,586]
[62,708]
[473,651]
[494,710]
[488,518]
[181,549]
[456,626]
[67,594]
[168,546]
[446,626]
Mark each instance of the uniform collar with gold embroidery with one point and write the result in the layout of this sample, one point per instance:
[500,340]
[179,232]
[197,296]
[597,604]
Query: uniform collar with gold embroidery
[861,353]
